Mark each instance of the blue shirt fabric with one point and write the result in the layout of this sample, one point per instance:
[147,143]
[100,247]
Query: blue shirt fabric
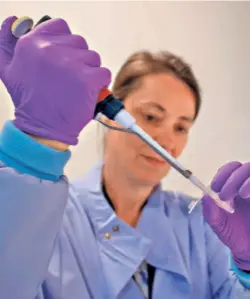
[63,240]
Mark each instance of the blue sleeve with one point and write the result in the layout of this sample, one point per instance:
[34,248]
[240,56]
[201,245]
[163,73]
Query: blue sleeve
[34,193]
[225,281]
[243,276]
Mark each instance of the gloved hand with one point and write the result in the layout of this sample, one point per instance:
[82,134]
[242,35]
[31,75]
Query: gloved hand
[53,79]
[232,182]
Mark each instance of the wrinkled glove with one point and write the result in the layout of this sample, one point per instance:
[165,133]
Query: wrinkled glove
[53,79]
[232,182]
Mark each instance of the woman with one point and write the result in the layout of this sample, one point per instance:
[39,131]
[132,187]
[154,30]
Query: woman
[115,233]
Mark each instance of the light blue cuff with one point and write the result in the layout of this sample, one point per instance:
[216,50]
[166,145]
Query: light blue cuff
[244,277]
[20,151]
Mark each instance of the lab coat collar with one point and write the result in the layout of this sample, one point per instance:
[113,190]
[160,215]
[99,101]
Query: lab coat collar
[123,248]
[156,225]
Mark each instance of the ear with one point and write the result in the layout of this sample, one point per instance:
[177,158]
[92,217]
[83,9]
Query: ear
[110,122]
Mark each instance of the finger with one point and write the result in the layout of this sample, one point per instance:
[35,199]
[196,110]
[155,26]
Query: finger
[74,41]
[244,191]
[87,61]
[211,212]
[6,28]
[7,44]
[234,183]
[88,57]
[52,27]
[102,76]
[223,174]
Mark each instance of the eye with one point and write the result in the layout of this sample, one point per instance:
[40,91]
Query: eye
[181,129]
[150,117]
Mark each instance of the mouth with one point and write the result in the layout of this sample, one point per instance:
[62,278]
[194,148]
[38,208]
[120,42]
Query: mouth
[154,161]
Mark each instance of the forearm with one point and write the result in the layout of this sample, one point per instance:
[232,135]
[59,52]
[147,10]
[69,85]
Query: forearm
[33,197]
[54,144]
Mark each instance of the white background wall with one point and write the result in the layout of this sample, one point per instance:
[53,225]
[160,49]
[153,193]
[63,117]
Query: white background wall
[213,36]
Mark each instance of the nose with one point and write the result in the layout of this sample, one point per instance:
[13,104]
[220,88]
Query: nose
[165,137]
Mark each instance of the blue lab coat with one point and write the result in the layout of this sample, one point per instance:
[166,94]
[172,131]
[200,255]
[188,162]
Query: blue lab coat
[64,241]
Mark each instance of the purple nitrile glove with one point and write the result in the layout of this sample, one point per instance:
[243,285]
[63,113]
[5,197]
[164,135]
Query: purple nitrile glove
[232,182]
[53,79]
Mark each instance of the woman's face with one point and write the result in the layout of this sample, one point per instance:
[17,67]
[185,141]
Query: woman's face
[164,107]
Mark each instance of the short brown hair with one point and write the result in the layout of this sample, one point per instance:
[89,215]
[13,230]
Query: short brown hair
[143,63]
